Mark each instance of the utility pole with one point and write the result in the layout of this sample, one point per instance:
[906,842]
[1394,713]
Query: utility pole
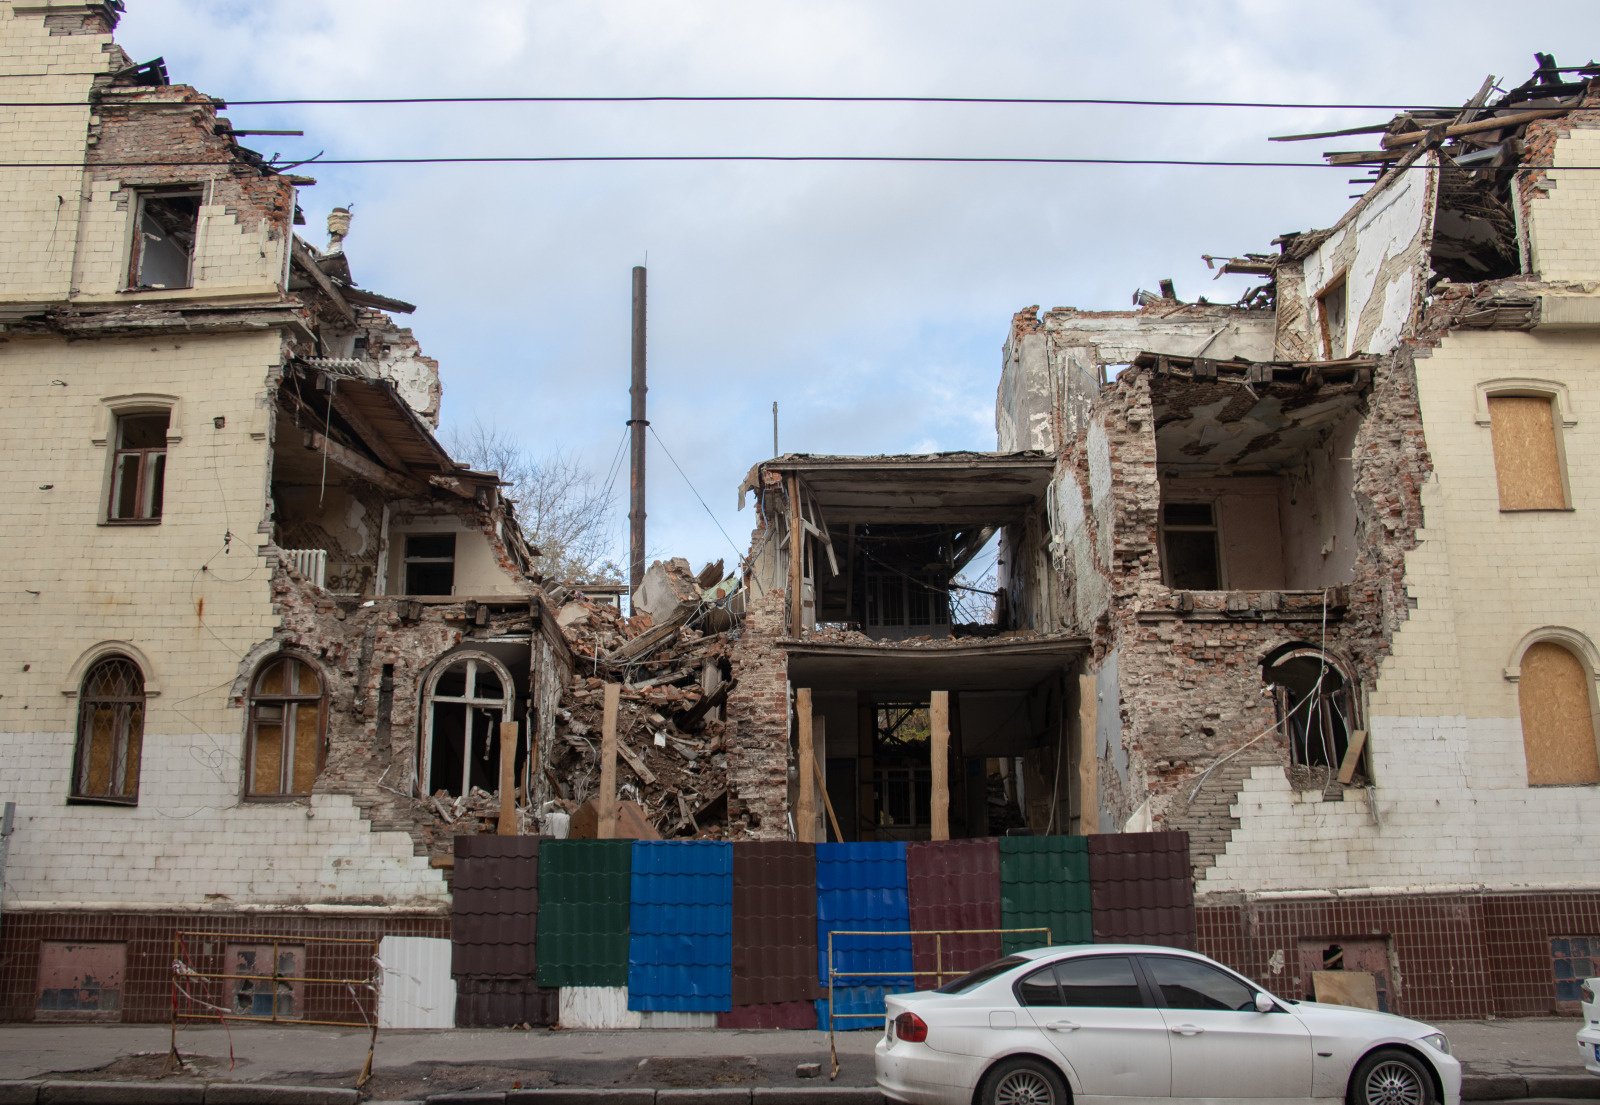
[774,427]
[637,424]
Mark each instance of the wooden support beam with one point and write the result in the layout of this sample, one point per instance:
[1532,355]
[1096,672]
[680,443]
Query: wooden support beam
[358,465]
[797,559]
[1088,757]
[1352,756]
[302,256]
[508,779]
[822,785]
[805,804]
[1515,119]
[606,804]
[939,761]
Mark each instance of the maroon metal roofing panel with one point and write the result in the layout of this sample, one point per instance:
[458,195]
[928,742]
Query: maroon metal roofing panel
[780,1014]
[503,1003]
[953,884]
[494,907]
[1142,889]
[774,923]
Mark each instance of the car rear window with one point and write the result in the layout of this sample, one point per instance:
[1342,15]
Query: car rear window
[981,975]
[1100,981]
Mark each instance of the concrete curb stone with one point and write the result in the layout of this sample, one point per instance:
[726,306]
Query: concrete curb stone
[252,1093]
[583,1095]
[719,1095]
[816,1095]
[121,1093]
[1584,1086]
[18,1093]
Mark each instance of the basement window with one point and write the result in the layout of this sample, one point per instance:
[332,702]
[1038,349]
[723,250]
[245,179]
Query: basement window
[164,229]
[430,564]
[1189,558]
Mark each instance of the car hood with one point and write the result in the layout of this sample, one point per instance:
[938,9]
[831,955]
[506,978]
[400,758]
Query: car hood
[1338,1019]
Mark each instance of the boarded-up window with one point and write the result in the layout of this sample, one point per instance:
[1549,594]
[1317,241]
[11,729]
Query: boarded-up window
[286,743]
[1527,456]
[110,732]
[1557,723]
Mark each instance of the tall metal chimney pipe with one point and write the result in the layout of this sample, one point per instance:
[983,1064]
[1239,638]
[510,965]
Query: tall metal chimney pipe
[637,424]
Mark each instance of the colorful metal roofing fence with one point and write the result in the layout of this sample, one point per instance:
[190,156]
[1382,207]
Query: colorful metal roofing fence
[1143,889]
[861,888]
[680,945]
[953,884]
[494,912]
[1044,882]
[584,889]
[774,928]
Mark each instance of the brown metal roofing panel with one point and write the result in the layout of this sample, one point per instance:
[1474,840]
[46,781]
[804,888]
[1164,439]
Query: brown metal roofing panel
[953,884]
[494,907]
[1142,889]
[503,1003]
[774,923]
[782,1014]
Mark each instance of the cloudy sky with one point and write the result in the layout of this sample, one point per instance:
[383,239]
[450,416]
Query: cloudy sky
[868,300]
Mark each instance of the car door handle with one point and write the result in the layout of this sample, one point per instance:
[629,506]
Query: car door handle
[1185,1029]
[1063,1026]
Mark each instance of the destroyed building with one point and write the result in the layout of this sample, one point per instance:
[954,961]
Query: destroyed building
[267,638]
[1332,548]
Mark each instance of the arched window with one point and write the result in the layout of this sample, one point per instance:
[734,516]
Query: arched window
[110,732]
[1316,705]
[1554,697]
[466,702]
[286,729]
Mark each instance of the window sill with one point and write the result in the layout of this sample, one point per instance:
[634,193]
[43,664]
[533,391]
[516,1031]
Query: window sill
[275,799]
[97,800]
[1538,510]
[116,522]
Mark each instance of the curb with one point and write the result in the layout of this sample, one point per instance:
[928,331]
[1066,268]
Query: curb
[59,1092]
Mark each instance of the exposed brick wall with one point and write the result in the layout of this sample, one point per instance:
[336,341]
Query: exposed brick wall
[758,739]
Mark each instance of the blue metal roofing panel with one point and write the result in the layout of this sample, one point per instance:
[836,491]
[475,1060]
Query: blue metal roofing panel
[680,948]
[850,1002]
[862,887]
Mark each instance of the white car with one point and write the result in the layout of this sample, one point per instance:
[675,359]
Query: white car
[1589,1033]
[1126,1023]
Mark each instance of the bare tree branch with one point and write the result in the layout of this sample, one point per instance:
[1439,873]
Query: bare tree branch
[562,507]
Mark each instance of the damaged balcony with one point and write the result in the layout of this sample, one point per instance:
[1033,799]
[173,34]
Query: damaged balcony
[1256,517]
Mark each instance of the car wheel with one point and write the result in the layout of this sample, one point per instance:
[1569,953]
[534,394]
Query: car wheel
[1023,1082]
[1391,1078]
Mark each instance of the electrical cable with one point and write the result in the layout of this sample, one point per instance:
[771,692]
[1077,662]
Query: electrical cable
[697,495]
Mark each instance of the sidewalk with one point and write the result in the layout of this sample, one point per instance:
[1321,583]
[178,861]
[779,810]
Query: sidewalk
[90,1064]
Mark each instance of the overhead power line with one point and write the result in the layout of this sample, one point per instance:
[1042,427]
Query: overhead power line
[889,159]
[1017,101]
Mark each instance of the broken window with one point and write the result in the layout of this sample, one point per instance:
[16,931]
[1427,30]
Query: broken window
[1527,452]
[430,564]
[110,732]
[465,705]
[163,238]
[1316,708]
[1332,315]
[286,729]
[1558,734]
[139,467]
[1189,558]
[266,981]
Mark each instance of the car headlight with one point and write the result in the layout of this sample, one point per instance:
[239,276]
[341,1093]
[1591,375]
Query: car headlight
[1438,1040]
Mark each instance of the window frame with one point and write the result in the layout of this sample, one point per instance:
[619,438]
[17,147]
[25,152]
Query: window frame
[507,704]
[1338,283]
[129,735]
[1144,963]
[147,513]
[289,724]
[407,559]
[1347,693]
[1557,398]
[1214,529]
[136,241]
[1584,652]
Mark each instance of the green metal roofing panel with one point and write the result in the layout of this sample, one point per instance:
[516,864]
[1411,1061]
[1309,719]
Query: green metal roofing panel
[1044,882]
[583,912]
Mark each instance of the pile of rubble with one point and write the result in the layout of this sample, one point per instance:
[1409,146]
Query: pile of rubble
[671,659]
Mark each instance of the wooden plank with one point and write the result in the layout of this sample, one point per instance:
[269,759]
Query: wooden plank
[805,805]
[639,769]
[797,557]
[1357,988]
[939,761]
[1411,137]
[827,803]
[1352,755]
[508,779]
[1088,809]
[607,804]
[1527,455]
[302,256]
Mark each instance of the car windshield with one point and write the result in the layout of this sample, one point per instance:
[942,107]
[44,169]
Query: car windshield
[981,975]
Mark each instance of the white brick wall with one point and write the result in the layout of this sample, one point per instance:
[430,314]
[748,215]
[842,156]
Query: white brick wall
[1561,223]
[1454,806]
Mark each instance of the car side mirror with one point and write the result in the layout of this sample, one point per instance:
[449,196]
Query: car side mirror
[1264,1002]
